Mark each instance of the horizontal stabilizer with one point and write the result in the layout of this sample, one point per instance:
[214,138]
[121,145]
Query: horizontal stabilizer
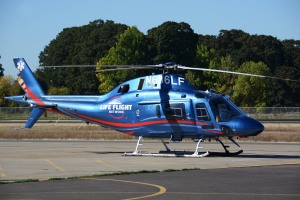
[18,99]
[34,116]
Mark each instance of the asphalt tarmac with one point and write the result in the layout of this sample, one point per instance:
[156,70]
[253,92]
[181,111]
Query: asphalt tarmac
[264,171]
[270,182]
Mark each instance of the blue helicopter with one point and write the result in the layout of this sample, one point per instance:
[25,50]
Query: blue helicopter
[160,106]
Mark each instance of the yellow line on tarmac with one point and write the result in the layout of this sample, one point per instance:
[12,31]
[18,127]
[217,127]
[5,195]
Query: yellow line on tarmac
[233,193]
[107,165]
[161,191]
[54,165]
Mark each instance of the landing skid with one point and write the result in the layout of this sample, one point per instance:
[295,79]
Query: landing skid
[171,154]
[188,154]
[168,152]
[226,153]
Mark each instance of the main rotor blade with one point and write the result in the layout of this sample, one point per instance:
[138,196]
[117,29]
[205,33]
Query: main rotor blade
[121,67]
[232,72]
[67,66]
[128,67]
[57,66]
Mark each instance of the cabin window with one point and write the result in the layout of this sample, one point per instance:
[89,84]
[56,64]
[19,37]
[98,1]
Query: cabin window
[141,83]
[202,113]
[123,88]
[175,111]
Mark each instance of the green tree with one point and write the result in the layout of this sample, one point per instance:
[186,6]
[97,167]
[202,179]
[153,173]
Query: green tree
[225,82]
[244,47]
[76,46]
[170,41]
[8,87]
[204,59]
[58,91]
[231,42]
[207,58]
[173,41]
[1,69]
[292,53]
[263,48]
[130,49]
[252,91]
[285,93]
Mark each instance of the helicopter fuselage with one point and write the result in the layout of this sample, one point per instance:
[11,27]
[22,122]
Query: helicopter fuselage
[156,106]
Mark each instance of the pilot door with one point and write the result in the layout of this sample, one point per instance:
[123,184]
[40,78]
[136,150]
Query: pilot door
[203,118]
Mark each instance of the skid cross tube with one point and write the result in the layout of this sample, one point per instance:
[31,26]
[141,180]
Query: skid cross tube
[136,151]
[227,152]
[196,153]
[165,145]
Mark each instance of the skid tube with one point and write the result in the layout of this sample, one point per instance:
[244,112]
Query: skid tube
[168,152]
[227,153]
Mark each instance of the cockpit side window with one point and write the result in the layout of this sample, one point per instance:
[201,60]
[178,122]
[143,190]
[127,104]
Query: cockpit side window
[222,110]
[124,88]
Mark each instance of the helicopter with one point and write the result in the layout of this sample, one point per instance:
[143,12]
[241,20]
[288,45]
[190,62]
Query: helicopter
[157,106]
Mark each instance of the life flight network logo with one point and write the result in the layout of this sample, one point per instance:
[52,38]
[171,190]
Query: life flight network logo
[116,109]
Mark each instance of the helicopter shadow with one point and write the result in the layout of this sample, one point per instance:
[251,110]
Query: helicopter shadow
[105,152]
[214,154]
[269,156]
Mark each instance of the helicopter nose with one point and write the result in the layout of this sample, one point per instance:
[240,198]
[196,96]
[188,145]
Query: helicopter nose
[248,126]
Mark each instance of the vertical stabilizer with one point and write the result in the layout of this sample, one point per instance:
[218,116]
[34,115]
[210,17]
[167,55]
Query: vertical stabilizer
[33,90]
[28,82]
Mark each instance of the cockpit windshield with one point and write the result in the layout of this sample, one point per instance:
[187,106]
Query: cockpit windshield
[223,110]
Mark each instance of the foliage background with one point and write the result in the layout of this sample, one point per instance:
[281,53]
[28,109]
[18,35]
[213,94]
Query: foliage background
[107,42]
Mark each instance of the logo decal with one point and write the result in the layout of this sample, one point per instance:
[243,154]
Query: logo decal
[116,109]
[20,65]
[115,101]
[22,83]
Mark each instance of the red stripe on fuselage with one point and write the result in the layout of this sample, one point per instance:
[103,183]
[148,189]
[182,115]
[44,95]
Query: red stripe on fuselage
[55,111]
[34,98]
[127,125]
[130,133]
[213,131]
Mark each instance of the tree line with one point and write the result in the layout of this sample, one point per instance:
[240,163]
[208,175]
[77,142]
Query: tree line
[106,42]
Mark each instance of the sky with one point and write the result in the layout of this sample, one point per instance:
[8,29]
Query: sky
[27,26]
